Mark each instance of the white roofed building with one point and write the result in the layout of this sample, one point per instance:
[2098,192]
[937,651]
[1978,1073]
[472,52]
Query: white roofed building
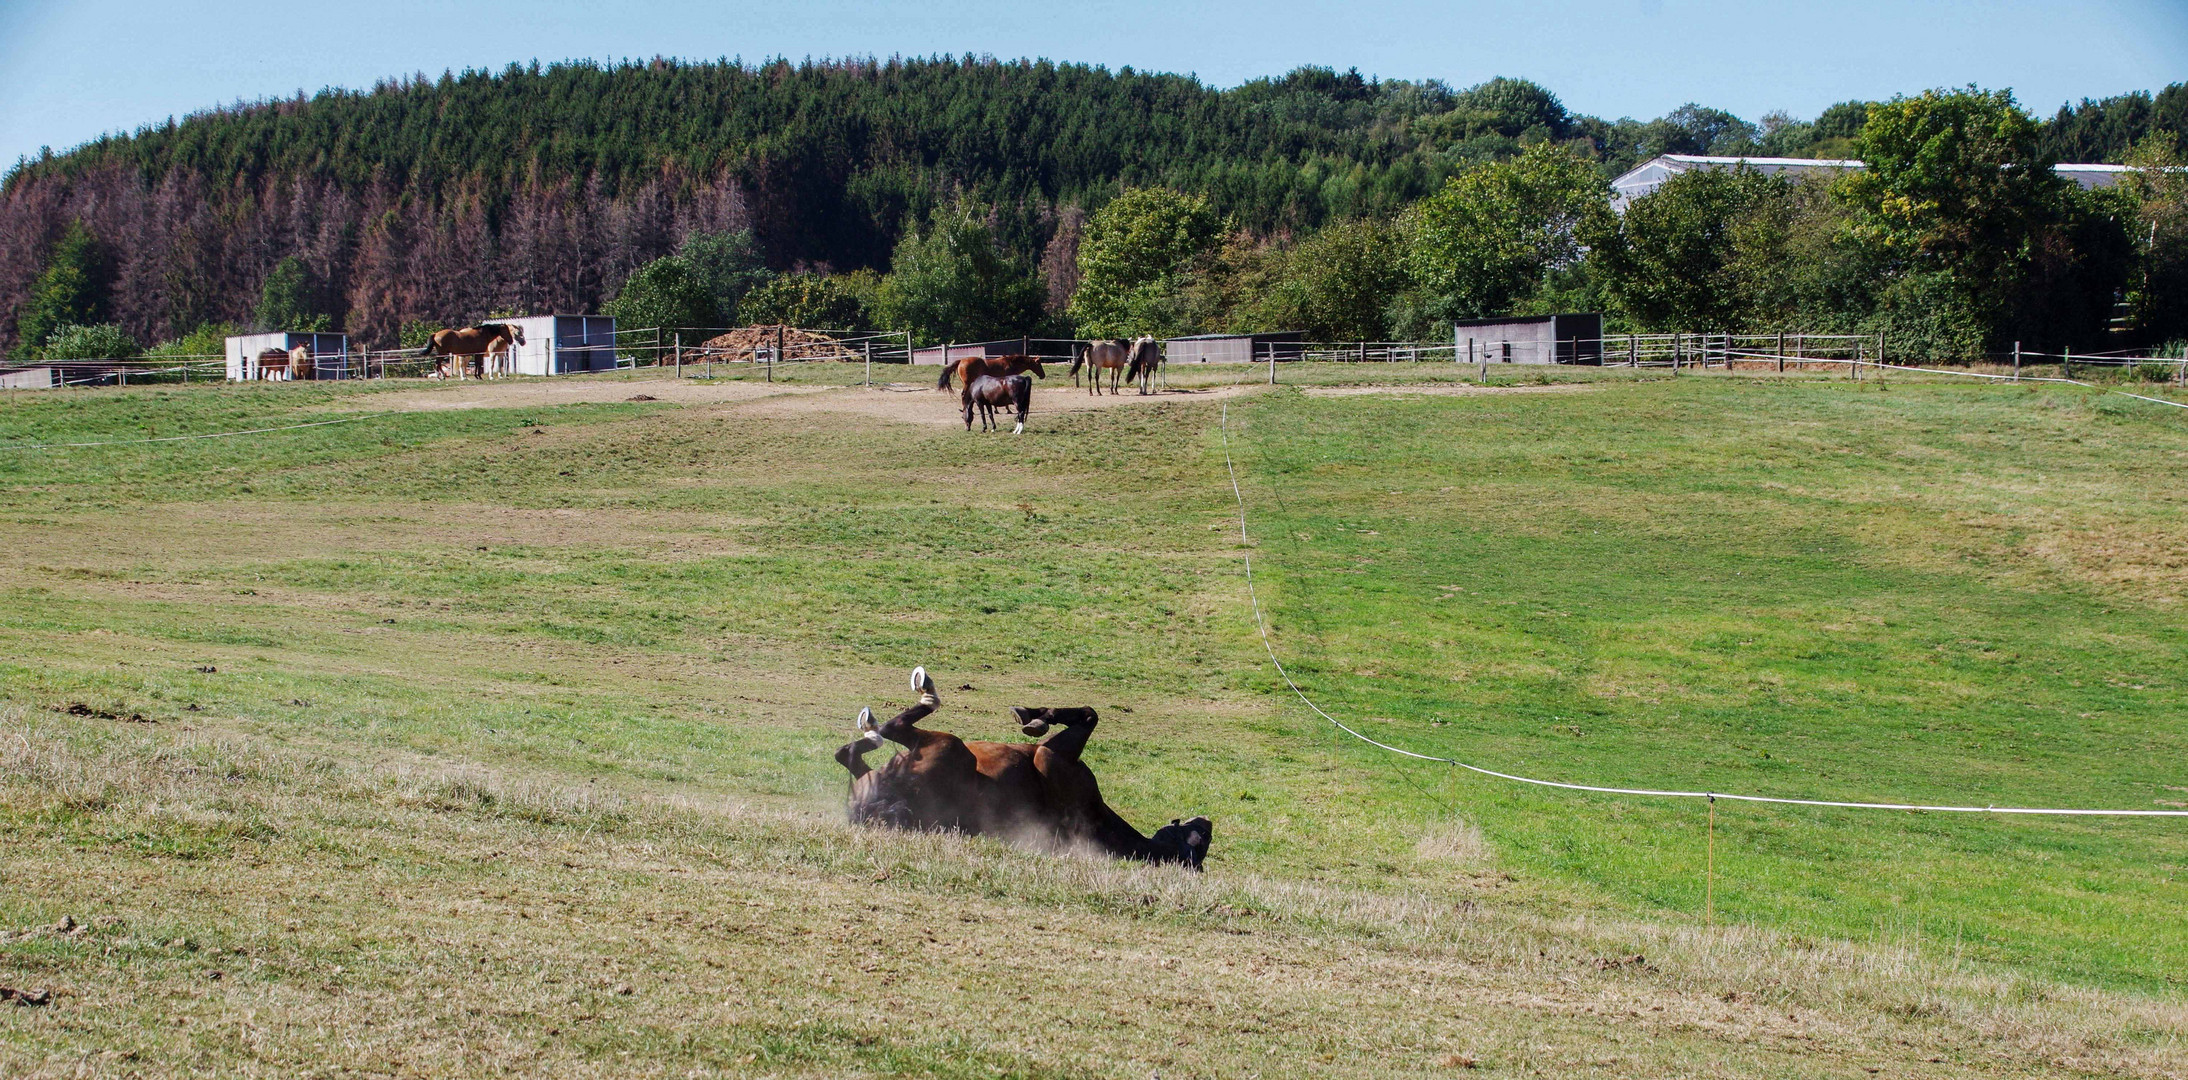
[1651,174]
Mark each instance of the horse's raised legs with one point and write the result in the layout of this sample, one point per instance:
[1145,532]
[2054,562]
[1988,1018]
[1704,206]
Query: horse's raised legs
[1077,724]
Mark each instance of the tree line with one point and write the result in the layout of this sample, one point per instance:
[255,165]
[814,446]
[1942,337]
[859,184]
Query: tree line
[970,198]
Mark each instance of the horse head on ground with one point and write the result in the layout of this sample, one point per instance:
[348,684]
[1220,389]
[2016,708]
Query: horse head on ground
[988,393]
[1040,792]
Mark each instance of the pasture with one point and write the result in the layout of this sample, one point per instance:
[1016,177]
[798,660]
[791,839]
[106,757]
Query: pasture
[488,734]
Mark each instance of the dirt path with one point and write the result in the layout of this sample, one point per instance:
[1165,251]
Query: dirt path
[910,403]
[926,405]
[1446,390]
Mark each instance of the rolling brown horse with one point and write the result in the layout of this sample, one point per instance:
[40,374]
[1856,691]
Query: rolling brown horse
[1112,356]
[968,368]
[458,347]
[1031,792]
[988,393]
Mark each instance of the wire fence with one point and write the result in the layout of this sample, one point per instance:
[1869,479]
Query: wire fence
[707,352]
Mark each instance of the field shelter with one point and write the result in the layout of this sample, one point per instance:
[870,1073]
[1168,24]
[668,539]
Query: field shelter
[330,356]
[562,344]
[1575,338]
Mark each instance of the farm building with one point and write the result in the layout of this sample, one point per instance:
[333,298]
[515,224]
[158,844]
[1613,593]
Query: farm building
[1533,339]
[30,378]
[1235,348]
[1651,174]
[248,360]
[933,354]
[563,344]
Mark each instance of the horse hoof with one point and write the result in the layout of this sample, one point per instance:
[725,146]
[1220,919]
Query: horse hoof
[919,677]
[1034,728]
[1019,430]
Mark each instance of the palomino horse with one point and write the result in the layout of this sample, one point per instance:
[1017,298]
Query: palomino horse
[1112,356]
[300,363]
[457,347]
[988,393]
[968,368]
[1040,792]
[1146,361]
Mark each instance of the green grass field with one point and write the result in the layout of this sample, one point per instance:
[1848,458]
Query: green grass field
[494,740]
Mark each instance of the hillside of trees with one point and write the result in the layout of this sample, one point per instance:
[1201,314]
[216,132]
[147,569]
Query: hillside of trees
[952,197]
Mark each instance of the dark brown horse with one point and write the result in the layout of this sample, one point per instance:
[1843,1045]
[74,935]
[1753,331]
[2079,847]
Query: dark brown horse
[1038,792]
[968,368]
[988,393]
[458,347]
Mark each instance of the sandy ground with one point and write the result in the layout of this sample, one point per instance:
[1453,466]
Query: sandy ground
[1446,390]
[910,403]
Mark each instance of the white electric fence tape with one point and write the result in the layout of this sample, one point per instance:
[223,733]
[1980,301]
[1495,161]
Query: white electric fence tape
[1262,625]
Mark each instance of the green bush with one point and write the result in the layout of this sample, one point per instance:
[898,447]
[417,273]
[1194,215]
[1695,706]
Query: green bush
[668,292]
[208,340]
[101,341]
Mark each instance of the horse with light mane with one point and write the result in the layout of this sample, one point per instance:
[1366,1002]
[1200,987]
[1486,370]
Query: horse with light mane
[1039,792]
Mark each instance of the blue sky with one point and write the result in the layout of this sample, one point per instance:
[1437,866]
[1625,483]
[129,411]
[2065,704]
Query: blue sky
[70,71]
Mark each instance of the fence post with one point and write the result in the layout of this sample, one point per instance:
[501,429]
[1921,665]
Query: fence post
[1678,347]
[1781,352]
[1633,352]
[869,361]
[2016,361]
[1272,363]
[1880,354]
[2066,362]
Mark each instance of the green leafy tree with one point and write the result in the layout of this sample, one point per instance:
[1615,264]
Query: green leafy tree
[290,300]
[1959,199]
[100,341]
[814,301]
[70,292]
[2157,292]
[1339,283]
[1675,262]
[1498,235]
[208,340]
[665,293]
[1956,182]
[416,333]
[1134,260]
[952,282]
[731,265]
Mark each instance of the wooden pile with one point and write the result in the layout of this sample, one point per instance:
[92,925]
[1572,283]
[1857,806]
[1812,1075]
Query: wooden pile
[746,342]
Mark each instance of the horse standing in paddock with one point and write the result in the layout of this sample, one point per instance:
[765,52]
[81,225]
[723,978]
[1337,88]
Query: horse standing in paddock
[1099,356]
[459,347]
[1146,360]
[1039,791]
[988,393]
[300,363]
[968,368]
[273,364]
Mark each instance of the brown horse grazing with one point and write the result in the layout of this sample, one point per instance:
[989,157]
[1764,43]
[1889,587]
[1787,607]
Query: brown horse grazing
[1099,356]
[1146,360]
[968,368]
[1040,792]
[988,393]
[458,347]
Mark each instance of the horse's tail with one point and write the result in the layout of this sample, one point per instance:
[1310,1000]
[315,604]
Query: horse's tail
[943,383]
[1021,393]
[1077,359]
